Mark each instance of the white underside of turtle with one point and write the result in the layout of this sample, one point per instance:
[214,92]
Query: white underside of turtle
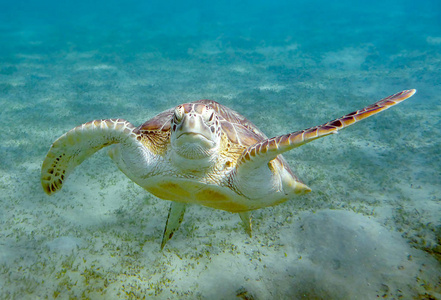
[200,152]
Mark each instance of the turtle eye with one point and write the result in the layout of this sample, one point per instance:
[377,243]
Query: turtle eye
[209,115]
[178,114]
[210,119]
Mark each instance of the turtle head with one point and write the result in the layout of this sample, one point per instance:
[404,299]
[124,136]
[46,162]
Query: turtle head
[195,133]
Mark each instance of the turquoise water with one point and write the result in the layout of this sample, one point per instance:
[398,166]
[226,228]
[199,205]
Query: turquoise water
[371,226]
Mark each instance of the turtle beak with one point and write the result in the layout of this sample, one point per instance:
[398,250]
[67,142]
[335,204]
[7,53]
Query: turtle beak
[193,126]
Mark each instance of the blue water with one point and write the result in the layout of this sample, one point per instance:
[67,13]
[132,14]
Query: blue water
[286,66]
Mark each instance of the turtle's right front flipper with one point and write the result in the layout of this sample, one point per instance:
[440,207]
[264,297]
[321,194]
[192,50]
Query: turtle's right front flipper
[73,147]
[261,153]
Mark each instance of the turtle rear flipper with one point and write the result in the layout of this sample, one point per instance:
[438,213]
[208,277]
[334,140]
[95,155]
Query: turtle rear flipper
[73,147]
[265,151]
[174,220]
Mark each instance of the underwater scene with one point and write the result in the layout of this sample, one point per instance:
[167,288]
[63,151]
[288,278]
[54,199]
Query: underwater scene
[370,227]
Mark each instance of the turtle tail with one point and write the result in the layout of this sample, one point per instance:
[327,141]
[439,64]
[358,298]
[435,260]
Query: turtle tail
[73,147]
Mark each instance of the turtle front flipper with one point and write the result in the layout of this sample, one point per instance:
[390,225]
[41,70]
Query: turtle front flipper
[263,152]
[73,147]
[174,220]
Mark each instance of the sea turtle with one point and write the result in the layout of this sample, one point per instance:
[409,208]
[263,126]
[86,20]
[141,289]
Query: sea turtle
[200,152]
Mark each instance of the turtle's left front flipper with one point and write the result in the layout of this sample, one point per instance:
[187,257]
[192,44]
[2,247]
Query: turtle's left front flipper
[260,153]
[73,147]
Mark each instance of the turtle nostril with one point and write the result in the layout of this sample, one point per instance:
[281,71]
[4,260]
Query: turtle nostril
[191,122]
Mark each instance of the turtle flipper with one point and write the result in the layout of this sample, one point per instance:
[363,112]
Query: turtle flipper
[263,152]
[73,147]
[246,220]
[174,220]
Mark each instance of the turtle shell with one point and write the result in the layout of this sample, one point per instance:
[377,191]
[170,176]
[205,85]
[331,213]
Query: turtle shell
[237,128]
